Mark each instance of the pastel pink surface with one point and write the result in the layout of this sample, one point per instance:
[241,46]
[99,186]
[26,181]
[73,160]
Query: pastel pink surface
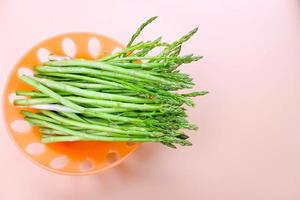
[248,143]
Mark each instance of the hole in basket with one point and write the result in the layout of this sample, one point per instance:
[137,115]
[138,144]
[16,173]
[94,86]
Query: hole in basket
[59,162]
[20,126]
[116,50]
[112,157]
[35,148]
[94,47]
[43,55]
[69,47]
[53,57]
[25,71]
[13,96]
[85,165]
[130,144]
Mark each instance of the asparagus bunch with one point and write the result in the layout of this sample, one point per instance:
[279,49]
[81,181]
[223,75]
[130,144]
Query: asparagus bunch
[126,96]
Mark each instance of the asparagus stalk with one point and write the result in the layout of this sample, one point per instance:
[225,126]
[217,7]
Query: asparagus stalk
[95,127]
[139,30]
[84,78]
[87,93]
[90,85]
[98,65]
[83,136]
[99,102]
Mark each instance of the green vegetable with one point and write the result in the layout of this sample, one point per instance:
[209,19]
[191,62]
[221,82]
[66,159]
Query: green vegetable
[126,96]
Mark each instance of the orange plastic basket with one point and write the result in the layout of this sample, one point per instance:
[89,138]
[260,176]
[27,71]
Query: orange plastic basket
[70,158]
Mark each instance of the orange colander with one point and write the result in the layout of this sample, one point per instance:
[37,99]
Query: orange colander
[70,158]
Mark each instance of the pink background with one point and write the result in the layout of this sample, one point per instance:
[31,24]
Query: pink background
[248,145]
